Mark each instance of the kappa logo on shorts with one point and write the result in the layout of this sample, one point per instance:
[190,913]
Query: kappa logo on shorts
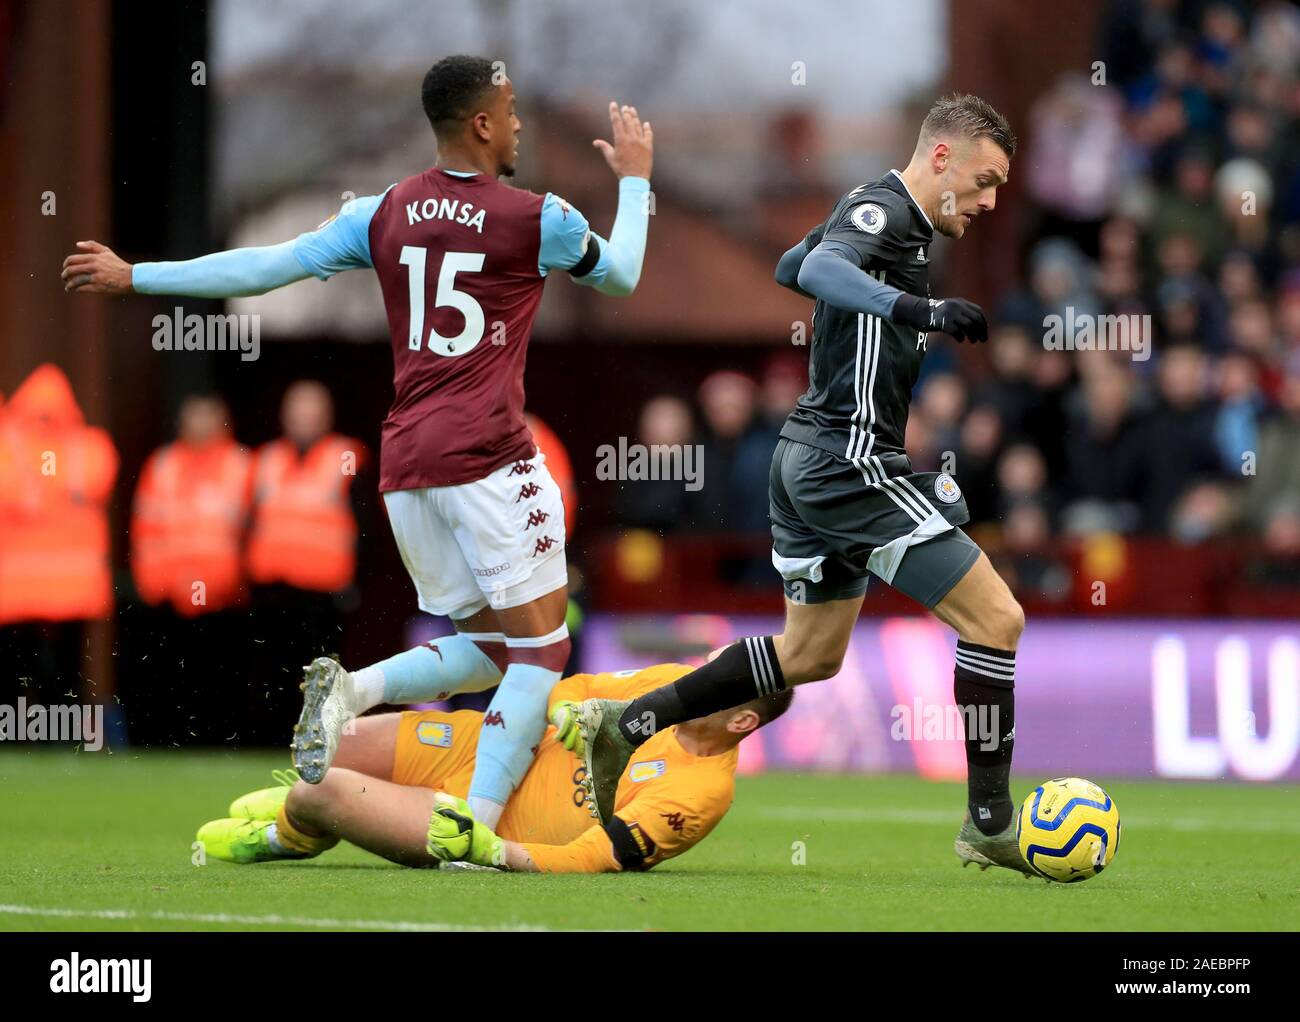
[493,718]
[434,732]
[675,820]
[946,489]
[647,770]
[521,468]
[543,544]
[536,518]
[528,490]
[870,218]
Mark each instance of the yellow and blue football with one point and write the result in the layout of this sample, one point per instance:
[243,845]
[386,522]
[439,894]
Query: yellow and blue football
[1068,829]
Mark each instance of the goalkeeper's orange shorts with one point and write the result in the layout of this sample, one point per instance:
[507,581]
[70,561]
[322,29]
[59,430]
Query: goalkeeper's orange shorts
[436,749]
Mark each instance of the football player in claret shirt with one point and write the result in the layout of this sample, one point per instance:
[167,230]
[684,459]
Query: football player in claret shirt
[398,785]
[461,259]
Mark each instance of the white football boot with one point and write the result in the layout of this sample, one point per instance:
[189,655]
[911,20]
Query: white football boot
[328,709]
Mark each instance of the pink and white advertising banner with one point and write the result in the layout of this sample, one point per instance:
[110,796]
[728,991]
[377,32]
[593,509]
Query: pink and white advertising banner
[1199,699]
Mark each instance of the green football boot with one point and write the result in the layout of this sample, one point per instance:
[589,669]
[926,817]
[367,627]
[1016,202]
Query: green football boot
[265,803]
[240,841]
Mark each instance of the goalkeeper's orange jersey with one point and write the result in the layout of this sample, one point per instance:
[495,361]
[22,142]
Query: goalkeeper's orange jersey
[667,800]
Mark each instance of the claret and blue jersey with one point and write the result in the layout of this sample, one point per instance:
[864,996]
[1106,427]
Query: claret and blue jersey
[343,241]
[461,259]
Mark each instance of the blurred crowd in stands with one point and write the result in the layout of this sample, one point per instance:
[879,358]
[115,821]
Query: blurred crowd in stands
[1165,183]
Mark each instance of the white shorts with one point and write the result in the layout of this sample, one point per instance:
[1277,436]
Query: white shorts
[498,540]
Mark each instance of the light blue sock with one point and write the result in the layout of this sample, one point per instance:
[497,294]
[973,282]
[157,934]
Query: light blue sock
[514,723]
[443,667]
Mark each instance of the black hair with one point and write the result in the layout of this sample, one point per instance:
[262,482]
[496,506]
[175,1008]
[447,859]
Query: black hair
[453,87]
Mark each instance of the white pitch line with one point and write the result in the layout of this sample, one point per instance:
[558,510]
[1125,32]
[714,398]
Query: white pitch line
[123,914]
[847,814]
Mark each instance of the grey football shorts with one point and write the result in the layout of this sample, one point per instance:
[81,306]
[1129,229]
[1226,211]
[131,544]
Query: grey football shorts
[835,522]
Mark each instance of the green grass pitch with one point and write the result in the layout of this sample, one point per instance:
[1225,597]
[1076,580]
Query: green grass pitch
[103,842]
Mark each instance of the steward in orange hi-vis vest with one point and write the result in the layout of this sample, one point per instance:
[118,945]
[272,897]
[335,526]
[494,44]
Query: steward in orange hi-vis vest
[56,475]
[304,531]
[191,506]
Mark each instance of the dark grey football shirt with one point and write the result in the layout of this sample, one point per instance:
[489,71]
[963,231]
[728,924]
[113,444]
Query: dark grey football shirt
[862,368]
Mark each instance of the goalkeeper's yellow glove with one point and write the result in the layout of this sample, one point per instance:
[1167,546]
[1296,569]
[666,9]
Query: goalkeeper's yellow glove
[564,715]
[455,836]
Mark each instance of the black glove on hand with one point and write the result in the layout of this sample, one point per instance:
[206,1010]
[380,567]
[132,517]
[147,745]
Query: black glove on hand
[962,319]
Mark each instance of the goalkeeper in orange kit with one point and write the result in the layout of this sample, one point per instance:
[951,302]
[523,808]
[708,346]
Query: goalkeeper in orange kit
[398,786]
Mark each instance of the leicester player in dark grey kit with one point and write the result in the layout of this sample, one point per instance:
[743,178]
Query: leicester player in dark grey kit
[845,502]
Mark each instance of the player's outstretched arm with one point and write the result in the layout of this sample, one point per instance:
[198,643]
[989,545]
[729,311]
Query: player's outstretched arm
[590,852]
[829,274]
[515,857]
[455,836]
[97,269]
[341,243]
[612,267]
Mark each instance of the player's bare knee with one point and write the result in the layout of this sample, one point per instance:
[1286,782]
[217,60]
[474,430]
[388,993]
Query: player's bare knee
[1004,624]
[827,667]
[805,665]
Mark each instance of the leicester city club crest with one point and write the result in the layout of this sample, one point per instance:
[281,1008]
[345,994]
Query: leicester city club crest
[946,489]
